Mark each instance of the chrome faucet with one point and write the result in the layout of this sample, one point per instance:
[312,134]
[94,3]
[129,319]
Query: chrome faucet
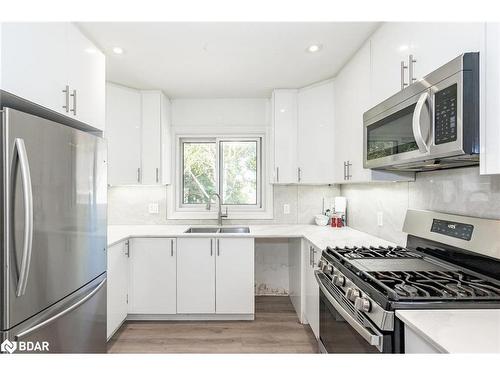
[220,214]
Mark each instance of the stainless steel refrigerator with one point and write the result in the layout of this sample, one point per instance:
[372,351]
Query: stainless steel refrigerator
[53,234]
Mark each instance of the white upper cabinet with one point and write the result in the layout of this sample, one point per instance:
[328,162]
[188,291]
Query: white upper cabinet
[155,137]
[123,132]
[151,136]
[86,79]
[316,134]
[352,99]
[47,63]
[490,92]
[284,104]
[430,44]
[138,134]
[303,124]
[389,48]
[33,64]
[435,44]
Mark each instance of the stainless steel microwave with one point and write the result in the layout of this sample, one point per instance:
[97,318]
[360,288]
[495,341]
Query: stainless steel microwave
[432,124]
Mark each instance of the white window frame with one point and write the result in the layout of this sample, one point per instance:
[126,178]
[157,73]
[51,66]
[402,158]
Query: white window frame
[218,170]
[176,209]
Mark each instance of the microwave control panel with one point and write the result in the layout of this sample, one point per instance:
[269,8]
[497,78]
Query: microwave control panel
[445,115]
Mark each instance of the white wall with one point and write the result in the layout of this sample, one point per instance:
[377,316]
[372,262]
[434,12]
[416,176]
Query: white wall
[457,191]
[221,112]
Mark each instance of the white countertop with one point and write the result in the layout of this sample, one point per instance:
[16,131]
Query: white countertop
[456,331]
[321,237]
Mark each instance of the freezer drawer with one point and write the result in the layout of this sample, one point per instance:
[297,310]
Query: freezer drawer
[76,324]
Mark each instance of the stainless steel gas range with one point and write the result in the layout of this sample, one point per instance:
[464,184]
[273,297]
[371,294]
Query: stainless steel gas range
[449,262]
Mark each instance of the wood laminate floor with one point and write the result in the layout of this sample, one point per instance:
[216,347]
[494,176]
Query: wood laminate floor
[276,329]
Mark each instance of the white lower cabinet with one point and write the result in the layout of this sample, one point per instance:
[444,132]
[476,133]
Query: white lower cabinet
[234,276]
[152,280]
[311,255]
[117,286]
[215,275]
[416,344]
[195,276]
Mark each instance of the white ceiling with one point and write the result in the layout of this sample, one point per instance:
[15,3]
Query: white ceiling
[225,60]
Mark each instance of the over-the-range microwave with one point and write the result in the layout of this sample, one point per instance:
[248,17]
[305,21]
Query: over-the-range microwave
[432,124]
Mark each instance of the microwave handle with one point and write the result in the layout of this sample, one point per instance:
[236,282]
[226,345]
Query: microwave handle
[417,131]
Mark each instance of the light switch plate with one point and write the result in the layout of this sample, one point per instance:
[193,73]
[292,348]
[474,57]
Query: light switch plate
[286,209]
[154,208]
[380,218]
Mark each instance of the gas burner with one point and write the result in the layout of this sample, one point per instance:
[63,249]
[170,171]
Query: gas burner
[373,252]
[406,290]
[460,290]
[433,284]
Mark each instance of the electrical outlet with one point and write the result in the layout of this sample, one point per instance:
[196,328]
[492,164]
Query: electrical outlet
[154,208]
[286,209]
[380,218]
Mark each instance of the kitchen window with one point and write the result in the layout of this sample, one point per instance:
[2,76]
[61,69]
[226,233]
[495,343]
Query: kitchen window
[230,167]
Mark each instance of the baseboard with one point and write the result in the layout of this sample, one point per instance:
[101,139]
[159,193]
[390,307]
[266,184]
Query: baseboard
[197,317]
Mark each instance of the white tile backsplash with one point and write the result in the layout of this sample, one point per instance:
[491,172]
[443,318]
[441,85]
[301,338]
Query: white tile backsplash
[458,191]
[130,205]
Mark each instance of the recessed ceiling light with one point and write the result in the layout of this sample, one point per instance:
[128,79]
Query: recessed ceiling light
[118,50]
[314,48]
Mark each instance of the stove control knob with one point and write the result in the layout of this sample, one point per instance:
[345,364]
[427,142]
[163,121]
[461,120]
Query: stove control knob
[320,264]
[352,294]
[329,269]
[362,304]
[339,280]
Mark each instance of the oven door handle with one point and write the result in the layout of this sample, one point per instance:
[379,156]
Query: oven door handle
[374,340]
[416,126]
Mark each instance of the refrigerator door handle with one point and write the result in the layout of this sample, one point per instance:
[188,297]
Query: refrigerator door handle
[62,313]
[22,156]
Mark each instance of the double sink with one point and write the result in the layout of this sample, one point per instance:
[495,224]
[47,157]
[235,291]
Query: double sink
[218,230]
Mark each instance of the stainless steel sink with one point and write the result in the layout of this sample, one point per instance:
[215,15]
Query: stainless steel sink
[234,230]
[218,230]
[202,230]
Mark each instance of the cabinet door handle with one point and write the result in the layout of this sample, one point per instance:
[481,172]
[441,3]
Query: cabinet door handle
[157,175]
[171,248]
[277,174]
[403,68]
[211,248]
[218,247]
[139,174]
[411,71]
[313,252]
[299,172]
[127,248]
[73,95]
[345,171]
[66,98]
[348,165]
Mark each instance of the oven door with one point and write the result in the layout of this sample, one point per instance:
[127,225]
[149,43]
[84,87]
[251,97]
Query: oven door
[400,134]
[342,328]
